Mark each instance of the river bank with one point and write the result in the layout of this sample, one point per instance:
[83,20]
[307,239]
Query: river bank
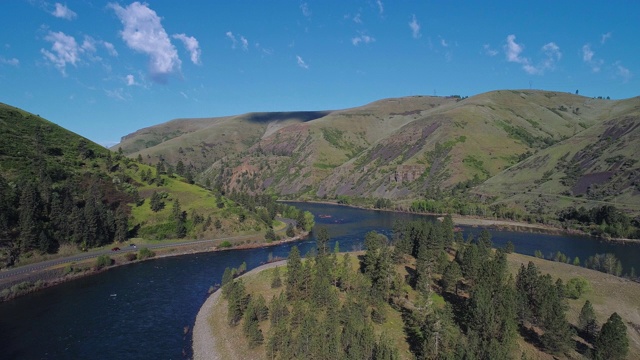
[42,278]
[474,221]
[203,342]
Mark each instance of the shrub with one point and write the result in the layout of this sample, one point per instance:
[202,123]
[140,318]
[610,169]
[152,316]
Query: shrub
[145,253]
[131,256]
[103,261]
[576,287]
[225,244]
[68,269]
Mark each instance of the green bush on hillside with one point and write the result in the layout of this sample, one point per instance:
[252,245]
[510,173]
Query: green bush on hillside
[103,261]
[145,253]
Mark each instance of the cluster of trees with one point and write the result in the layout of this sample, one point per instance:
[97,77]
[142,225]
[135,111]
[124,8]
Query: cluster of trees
[307,318]
[267,208]
[606,263]
[329,310]
[606,219]
[38,215]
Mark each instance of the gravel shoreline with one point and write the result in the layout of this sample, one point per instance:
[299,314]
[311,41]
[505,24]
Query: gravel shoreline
[203,343]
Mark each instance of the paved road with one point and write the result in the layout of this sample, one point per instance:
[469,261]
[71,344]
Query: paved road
[9,273]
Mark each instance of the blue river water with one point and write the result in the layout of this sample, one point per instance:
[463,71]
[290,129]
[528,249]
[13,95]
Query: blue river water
[146,310]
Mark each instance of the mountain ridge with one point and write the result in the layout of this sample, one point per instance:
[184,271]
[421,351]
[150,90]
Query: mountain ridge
[400,149]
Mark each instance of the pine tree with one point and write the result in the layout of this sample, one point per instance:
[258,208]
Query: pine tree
[587,322]
[122,225]
[29,213]
[237,302]
[156,202]
[451,276]
[612,342]
[180,219]
[276,281]
[294,275]
[322,239]
[278,309]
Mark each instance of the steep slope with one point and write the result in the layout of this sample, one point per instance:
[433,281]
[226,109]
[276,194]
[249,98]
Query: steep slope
[60,191]
[595,167]
[400,148]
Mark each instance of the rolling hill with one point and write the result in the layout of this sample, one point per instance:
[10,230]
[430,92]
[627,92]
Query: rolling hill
[408,148]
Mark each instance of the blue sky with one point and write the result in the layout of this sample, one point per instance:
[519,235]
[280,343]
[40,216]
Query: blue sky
[105,69]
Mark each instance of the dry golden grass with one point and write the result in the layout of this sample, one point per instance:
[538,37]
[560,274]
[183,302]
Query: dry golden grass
[608,294]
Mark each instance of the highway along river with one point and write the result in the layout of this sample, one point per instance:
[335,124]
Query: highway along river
[146,310]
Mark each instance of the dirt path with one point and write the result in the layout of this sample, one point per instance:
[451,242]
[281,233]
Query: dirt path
[204,345]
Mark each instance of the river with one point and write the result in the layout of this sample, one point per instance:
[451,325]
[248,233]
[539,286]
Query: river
[140,311]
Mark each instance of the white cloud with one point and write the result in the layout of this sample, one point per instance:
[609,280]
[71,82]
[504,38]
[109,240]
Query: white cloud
[244,42]
[89,44]
[192,46]
[12,61]
[144,33]
[63,12]
[605,37]
[184,95]
[304,7]
[110,48]
[553,54]
[444,42]
[233,39]
[587,53]
[514,50]
[380,6]
[301,62]
[588,56]
[131,80]
[357,19]
[489,51]
[415,27]
[623,72]
[117,94]
[365,39]
[64,50]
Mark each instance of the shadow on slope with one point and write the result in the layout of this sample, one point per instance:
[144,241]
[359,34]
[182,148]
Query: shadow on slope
[303,116]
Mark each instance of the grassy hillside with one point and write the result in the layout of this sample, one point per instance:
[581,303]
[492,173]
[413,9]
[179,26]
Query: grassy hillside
[598,166]
[231,342]
[60,192]
[199,143]
[408,148]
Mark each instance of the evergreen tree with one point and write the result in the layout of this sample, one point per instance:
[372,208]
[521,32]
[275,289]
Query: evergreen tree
[180,168]
[290,231]
[557,331]
[180,219]
[122,225]
[278,309]
[29,217]
[612,342]
[451,276]
[276,281]
[322,239]
[448,230]
[156,202]
[270,235]
[471,262]
[294,275]
[237,302]
[587,322]
[384,349]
